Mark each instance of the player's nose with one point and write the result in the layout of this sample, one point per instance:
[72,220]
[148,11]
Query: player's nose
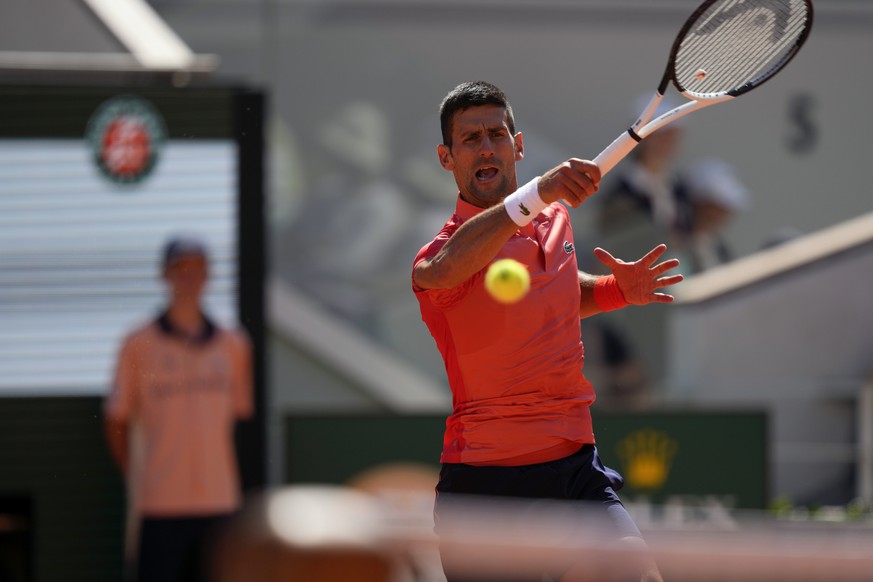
[486,146]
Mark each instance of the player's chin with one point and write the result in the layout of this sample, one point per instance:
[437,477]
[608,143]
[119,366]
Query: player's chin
[497,187]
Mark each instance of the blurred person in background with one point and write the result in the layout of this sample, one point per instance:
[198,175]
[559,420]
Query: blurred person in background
[716,195]
[348,260]
[181,383]
[645,199]
[652,200]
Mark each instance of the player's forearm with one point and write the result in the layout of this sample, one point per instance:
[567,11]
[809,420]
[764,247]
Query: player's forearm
[468,251]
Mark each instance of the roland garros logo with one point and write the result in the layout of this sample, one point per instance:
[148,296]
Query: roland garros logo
[125,135]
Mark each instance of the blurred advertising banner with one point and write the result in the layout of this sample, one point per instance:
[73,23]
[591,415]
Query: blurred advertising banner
[688,465]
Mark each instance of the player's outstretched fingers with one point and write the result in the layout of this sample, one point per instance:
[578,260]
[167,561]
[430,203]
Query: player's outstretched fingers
[653,255]
[605,257]
[661,298]
[668,281]
[662,268]
[639,280]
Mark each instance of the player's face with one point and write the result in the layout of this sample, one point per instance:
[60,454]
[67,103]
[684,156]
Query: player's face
[187,278]
[482,155]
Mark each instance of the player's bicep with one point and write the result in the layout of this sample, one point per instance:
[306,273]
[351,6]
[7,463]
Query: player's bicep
[424,269]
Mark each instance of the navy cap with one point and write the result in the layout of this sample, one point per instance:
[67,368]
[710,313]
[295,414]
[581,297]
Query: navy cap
[180,247]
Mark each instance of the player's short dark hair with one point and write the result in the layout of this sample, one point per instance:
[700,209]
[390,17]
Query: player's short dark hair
[471,94]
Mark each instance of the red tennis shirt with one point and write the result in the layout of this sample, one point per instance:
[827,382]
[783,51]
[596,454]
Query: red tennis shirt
[519,395]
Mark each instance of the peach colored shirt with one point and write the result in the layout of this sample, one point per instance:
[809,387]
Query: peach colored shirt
[181,400]
[519,395]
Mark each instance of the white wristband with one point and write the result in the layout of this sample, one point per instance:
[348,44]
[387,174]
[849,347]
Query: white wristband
[525,204]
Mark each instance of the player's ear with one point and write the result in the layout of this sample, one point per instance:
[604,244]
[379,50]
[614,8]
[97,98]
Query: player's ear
[519,146]
[445,156]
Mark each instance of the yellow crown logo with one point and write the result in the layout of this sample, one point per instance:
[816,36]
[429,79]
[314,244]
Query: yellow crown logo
[646,456]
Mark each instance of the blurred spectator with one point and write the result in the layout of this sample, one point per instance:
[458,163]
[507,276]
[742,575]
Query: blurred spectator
[716,194]
[180,384]
[612,364]
[348,226]
[644,201]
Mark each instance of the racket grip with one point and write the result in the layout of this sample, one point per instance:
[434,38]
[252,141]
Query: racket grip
[615,152]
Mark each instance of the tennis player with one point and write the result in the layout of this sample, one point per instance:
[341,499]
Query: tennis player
[521,424]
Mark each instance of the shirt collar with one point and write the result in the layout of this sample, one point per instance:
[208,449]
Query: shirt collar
[206,333]
[464,210]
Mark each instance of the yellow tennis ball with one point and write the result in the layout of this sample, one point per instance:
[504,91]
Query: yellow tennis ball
[507,280]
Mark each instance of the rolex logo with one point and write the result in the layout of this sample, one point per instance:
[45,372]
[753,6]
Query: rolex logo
[646,456]
[523,209]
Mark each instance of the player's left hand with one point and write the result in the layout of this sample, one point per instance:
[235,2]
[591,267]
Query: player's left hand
[639,280]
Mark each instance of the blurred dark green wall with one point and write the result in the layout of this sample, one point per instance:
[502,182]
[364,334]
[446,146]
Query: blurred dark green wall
[53,458]
[661,454]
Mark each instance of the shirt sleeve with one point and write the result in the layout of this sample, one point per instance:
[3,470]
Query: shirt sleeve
[120,404]
[440,298]
[446,298]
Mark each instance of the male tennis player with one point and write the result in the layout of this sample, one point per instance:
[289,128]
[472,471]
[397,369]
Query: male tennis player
[520,425]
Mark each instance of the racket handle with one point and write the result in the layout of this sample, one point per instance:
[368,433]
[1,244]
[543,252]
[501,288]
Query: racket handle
[615,152]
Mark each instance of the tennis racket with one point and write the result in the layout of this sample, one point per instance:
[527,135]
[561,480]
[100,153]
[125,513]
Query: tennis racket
[725,49]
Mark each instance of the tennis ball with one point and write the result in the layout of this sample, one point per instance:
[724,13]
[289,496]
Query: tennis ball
[507,280]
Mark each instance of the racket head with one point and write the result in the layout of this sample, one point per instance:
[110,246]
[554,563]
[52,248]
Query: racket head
[729,47]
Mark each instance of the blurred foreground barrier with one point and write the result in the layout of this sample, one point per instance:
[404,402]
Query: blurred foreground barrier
[331,533]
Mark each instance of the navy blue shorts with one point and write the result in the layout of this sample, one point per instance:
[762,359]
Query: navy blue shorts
[177,549]
[581,476]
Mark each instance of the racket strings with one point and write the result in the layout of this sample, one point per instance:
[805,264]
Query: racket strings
[730,45]
[735,31]
[729,69]
[751,56]
[733,25]
[738,55]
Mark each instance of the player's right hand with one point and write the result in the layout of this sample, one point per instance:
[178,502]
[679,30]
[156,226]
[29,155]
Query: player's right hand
[574,182]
